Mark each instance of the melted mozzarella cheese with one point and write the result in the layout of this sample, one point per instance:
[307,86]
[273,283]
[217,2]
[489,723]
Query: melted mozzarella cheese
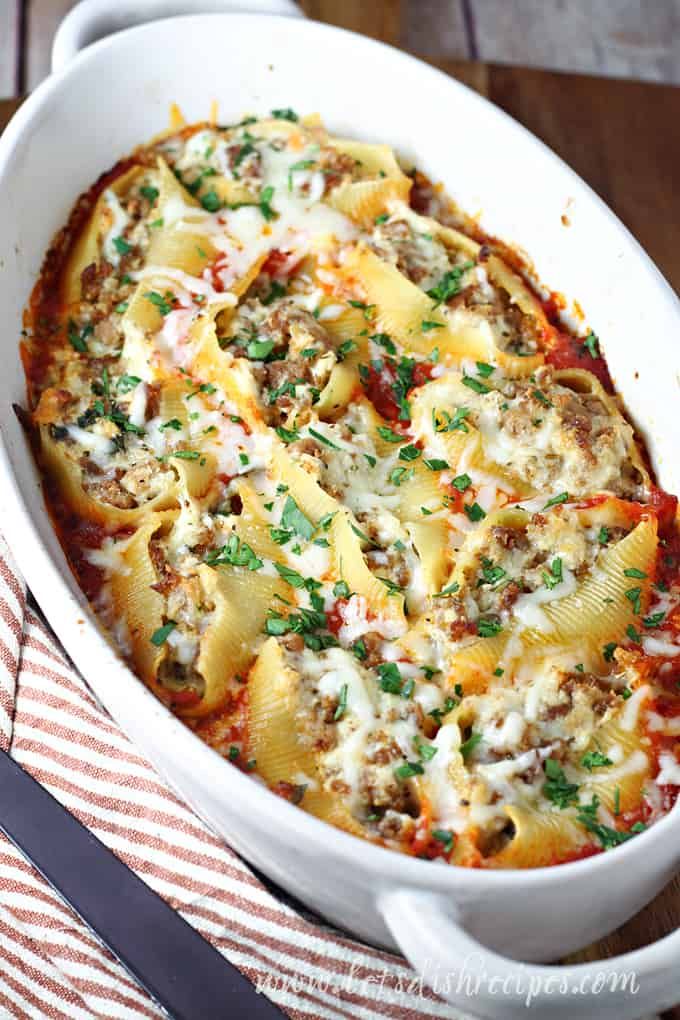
[669,770]
[119,221]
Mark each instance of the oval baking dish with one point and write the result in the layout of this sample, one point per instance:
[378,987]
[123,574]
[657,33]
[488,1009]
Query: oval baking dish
[57,144]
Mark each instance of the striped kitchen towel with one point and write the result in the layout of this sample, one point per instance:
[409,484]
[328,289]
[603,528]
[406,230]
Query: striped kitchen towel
[50,965]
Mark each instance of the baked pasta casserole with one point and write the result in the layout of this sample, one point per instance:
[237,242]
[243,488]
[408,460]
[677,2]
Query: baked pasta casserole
[353,501]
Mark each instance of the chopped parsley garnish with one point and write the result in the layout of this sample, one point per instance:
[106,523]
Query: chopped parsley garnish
[160,636]
[247,149]
[362,535]
[266,196]
[408,769]
[306,622]
[391,680]
[205,387]
[302,164]
[426,325]
[633,595]
[322,439]
[383,340]
[389,435]
[595,760]
[653,620]
[259,350]
[234,554]
[287,435]
[173,423]
[276,290]
[474,512]
[186,454]
[435,464]
[161,302]
[409,452]
[286,388]
[608,651]
[211,201]
[326,521]
[461,482]
[484,369]
[149,193]
[448,706]
[122,246]
[468,746]
[345,348]
[603,535]
[491,573]
[293,518]
[429,671]
[552,579]
[633,634]
[449,285]
[563,497]
[540,396]
[342,703]
[475,384]
[341,590]
[444,836]
[359,649]
[608,837]
[280,535]
[401,474]
[592,345]
[285,114]
[442,421]
[78,339]
[488,628]
[634,572]
[392,587]
[382,218]
[426,752]
[450,589]
[368,310]
[292,577]
[556,787]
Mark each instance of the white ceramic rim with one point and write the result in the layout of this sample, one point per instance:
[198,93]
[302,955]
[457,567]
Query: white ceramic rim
[91,20]
[36,560]
[86,645]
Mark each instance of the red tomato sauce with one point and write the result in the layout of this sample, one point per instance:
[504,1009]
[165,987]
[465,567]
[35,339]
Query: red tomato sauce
[379,387]
[567,351]
[335,618]
[424,843]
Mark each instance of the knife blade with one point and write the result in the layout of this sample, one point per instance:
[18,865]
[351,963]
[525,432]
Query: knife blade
[179,969]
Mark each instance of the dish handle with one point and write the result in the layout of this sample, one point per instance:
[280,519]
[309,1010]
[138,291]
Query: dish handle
[91,20]
[430,932]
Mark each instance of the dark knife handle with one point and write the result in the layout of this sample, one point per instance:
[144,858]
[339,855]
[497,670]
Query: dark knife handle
[177,967]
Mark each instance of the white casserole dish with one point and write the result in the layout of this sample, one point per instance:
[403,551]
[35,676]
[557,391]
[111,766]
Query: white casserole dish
[115,95]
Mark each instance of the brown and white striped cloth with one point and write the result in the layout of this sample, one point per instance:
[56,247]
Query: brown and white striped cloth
[50,964]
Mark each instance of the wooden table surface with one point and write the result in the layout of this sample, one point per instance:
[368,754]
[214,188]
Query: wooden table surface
[623,139]
[623,38]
